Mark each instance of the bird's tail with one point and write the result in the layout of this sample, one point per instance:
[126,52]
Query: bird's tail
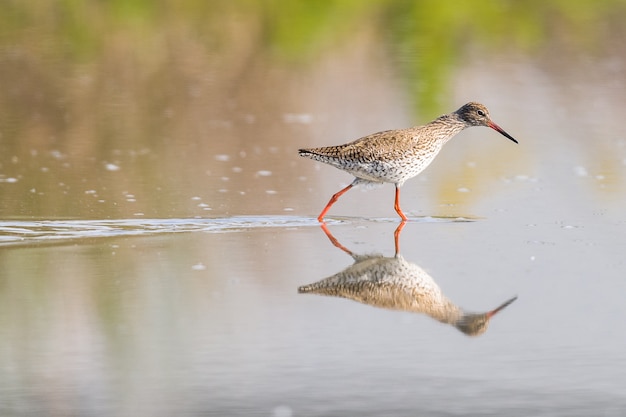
[319,154]
[305,288]
[306,152]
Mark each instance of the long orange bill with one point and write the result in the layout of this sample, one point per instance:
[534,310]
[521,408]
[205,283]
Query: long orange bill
[495,311]
[500,130]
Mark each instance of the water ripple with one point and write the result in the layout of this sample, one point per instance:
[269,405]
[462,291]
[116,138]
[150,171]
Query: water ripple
[48,231]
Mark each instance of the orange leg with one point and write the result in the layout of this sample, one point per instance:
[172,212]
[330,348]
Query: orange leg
[397,205]
[334,240]
[396,236]
[332,201]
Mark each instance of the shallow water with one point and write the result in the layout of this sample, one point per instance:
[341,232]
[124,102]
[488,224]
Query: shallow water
[210,321]
[157,223]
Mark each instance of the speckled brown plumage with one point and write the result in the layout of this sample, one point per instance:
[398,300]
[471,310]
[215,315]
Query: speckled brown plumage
[394,156]
[393,283]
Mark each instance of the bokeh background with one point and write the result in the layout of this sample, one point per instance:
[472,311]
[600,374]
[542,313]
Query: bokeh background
[156,220]
[171,100]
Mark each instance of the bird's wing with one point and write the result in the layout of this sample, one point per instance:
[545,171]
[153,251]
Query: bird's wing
[390,144]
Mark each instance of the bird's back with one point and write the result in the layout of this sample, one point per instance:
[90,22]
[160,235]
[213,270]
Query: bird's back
[389,144]
[392,155]
[388,156]
[391,283]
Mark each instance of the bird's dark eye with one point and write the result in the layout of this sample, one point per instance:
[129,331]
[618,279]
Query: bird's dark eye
[480,113]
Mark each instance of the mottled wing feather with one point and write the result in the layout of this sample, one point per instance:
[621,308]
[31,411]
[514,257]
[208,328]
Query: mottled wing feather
[387,145]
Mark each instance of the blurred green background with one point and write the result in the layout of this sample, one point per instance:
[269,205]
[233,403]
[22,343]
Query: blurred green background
[104,99]
[108,66]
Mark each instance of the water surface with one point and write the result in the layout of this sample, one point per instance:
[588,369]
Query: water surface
[156,221]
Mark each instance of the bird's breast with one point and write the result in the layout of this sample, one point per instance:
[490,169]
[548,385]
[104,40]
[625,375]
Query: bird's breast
[394,170]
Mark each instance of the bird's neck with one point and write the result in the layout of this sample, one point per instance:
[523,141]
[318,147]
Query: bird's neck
[442,129]
[446,311]
[448,125]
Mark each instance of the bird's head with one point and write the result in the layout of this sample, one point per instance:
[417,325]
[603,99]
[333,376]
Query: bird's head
[476,114]
[475,324]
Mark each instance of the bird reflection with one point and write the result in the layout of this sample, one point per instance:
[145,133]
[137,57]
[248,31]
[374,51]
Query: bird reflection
[393,283]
